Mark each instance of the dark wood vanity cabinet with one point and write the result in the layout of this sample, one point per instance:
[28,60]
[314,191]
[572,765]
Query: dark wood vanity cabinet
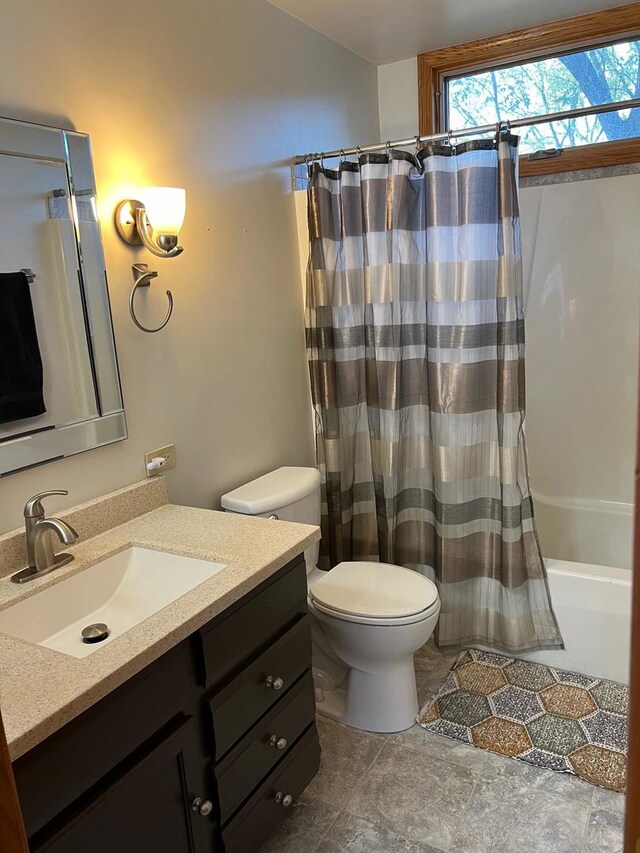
[202,751]
[147,806]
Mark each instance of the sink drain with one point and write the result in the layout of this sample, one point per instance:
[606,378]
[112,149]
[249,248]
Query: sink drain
[95,633]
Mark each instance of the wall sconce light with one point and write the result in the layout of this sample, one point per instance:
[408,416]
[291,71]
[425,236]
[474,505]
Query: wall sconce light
[154,222]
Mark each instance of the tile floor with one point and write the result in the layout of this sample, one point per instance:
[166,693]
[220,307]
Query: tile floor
[418,792]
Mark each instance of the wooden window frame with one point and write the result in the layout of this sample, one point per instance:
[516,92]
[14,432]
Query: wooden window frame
[529,43]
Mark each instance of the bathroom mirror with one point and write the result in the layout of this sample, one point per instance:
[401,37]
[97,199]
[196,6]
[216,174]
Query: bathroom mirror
[54,302]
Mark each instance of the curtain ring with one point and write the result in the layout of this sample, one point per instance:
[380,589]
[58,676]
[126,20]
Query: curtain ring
[322,155]
[449,138]
[387,145]
[418,143]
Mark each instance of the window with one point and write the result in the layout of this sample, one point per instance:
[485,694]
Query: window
[586,61]
[565,82]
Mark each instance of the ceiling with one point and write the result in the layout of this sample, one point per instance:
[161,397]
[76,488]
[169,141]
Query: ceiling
[384,31]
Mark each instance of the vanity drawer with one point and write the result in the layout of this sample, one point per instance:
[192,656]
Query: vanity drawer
[236,707]
[264,746]
[230,643]
[264,811]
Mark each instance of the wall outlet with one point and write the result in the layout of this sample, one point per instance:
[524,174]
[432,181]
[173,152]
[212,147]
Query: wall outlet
[168,453]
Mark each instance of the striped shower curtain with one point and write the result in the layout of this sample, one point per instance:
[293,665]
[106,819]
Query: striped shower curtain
[415,340]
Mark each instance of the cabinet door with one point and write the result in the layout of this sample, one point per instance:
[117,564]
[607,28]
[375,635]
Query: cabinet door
[148,807]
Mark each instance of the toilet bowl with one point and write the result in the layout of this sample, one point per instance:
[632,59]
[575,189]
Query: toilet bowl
[368,618]
[376,616]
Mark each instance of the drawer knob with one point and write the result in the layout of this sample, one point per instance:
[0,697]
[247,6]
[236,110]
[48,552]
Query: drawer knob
[277,742]
[274,517]
[202,807]
[274,683]
[284,799]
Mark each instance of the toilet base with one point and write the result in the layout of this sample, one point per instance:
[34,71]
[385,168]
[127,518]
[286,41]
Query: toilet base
[384,701]
[331,703]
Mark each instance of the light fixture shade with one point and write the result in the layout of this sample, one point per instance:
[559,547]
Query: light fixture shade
[165,208]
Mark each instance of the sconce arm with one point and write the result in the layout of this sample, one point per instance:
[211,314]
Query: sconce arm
[143,228]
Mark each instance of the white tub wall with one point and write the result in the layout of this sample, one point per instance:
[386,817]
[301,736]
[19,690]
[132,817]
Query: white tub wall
[581,259]
[586,531]
[593,608]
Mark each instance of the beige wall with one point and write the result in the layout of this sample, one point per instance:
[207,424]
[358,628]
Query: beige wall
[398,99]
[215,96]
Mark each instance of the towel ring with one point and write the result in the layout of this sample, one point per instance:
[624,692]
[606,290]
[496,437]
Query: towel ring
[142,278]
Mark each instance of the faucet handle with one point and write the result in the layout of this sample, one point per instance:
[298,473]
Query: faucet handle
[34,509]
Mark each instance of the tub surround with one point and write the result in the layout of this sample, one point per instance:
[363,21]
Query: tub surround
[41,690]
[593,607]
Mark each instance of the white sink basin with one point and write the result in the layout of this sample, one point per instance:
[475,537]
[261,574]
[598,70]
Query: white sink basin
[120,591]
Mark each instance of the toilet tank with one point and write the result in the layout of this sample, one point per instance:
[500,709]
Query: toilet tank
[291,494]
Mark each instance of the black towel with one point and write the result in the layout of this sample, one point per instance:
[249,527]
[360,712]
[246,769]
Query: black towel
[20,362]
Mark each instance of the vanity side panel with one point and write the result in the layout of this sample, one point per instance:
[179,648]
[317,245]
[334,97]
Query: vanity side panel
[12,834]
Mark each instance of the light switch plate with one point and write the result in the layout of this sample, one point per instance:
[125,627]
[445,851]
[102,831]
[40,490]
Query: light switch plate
[168,452]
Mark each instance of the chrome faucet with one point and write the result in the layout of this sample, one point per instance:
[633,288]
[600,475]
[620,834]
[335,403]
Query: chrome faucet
[41,556]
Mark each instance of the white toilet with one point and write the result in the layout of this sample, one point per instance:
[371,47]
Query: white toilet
[368,618]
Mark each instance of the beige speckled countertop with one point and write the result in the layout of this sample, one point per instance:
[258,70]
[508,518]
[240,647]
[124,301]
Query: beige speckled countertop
[41,689]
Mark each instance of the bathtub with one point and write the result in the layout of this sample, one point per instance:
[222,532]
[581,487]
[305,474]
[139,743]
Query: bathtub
[585,530]
[593,608]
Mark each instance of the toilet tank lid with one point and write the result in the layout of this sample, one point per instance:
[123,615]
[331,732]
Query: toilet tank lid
[273,490]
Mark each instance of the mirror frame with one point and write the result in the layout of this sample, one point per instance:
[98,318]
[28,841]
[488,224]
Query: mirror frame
[29,449]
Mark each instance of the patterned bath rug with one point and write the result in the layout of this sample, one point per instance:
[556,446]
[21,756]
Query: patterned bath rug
[559,720]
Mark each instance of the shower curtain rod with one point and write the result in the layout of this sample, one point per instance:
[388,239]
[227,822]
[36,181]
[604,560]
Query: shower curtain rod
[580,112]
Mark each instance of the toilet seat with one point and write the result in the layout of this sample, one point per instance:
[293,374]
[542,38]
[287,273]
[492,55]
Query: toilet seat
[381,621]
[374,594]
